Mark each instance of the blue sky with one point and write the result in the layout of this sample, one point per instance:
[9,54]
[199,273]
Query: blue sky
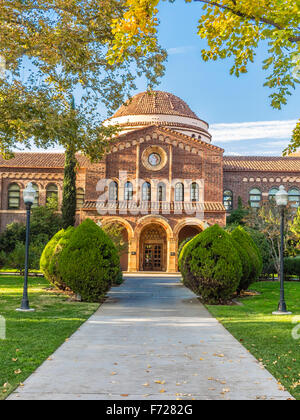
[237,109]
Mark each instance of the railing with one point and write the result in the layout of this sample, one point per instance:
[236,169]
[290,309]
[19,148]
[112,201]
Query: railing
[163,207]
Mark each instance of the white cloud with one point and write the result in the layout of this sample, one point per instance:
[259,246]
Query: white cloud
[228,132]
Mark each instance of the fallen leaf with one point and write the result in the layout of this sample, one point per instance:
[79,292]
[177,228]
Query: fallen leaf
[113,373]
[162,391]
[17,372]
[124,395]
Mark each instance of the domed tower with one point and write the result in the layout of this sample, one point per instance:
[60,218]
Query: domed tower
[160,108]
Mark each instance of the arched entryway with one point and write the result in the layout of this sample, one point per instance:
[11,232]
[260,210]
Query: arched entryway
[124,233]
[153,248]
[188,232]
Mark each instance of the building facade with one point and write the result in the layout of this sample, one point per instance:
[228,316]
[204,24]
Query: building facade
[162,181]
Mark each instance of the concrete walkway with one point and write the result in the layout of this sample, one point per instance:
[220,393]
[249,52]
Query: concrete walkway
[151,339]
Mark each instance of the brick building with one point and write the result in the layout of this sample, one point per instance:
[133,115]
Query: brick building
[162,180]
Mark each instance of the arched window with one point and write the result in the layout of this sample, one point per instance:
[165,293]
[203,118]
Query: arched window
[113,191]
[13,197]
[161,192]
[294,197]
[179,192]
[51,192]
[194,191]
[255,198]
[273,191]
[146,191]
[128,191]
[37,194]
[228,200]
[79,198]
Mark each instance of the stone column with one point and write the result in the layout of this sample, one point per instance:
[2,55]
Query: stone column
[132,256]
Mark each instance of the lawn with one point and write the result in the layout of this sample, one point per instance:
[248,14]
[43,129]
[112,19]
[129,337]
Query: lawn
[33,337]
[268,337]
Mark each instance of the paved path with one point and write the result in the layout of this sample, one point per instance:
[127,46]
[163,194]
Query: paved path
[151,329]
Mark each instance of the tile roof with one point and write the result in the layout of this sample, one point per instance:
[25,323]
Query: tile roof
[40,160]
[155,102]
[262,163]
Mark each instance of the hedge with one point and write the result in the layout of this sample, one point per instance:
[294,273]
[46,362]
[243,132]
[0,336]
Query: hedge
[250,257]
[89,263]
[211,265]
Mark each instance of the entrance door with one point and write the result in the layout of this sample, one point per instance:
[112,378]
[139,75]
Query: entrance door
[152,257]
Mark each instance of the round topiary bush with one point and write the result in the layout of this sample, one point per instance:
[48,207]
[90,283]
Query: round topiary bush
[248,258]
[54,274]
[211,265]
[89,263]
[245,240]
[47,254]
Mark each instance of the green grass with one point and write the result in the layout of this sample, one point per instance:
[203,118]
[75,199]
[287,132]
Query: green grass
[33,337]
[268,337]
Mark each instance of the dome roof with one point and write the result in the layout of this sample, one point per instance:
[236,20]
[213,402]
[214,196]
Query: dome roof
[155,102]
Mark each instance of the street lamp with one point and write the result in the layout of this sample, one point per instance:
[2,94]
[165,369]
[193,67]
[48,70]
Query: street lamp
[281,198]
[28,196]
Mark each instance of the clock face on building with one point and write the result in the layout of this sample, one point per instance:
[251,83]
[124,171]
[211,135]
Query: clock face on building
[154,159]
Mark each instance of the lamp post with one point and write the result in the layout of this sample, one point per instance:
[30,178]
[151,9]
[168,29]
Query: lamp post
[281,198]
[28,196]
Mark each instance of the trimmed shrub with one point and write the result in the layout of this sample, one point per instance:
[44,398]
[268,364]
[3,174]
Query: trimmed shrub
[47,255]
[211,265]
[253,251]
[248,257]
[89,263]
[183,252]
[53,271]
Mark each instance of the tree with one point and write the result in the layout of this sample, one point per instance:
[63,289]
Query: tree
[295,229]
[115,232]
[69,186]
[234,28]
[267,220]
[237,216]
[52,48]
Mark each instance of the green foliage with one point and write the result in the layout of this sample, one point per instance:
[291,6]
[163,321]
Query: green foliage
[264,249]
[255,256]
[44,223]
[47,256]
[54,274]
[89,263]
[267,221]
[16,259]
[211,265]
[64,45]
[3,259]
[115,233]
[248,256]
[68,208]
[295,229]
[237,216]
[292,266]
[15,232]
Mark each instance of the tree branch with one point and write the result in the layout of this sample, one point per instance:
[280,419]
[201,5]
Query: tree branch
[251,17]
